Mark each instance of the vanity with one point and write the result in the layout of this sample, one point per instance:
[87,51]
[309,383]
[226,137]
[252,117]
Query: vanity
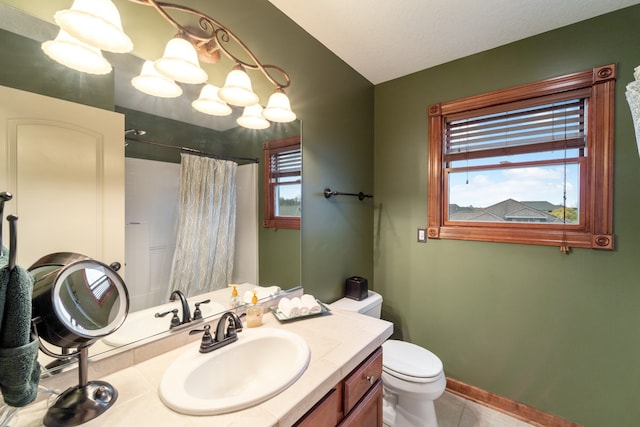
[341,384]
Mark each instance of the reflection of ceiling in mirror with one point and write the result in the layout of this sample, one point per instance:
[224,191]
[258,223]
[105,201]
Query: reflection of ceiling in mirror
[126,66]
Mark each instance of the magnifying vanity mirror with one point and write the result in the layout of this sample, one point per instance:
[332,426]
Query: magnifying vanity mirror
[77,301]
[277,252]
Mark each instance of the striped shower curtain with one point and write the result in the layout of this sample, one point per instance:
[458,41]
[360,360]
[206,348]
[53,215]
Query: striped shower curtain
[203,259]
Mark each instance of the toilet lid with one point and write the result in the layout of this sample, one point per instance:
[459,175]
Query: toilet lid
[409,361]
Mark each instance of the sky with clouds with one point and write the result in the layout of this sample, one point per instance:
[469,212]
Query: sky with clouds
[487,187]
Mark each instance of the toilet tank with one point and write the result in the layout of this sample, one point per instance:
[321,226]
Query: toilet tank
[370,306]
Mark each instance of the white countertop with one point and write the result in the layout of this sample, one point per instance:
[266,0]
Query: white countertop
[338,342]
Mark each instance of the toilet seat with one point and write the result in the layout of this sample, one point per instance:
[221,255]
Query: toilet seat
[410,362]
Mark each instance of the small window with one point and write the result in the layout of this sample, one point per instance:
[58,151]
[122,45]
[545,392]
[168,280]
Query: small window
[530,164]
[283,183]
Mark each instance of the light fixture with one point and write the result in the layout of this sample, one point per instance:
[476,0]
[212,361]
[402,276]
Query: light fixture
[278,108]
[633,98]
[252,118]
[75,54]
[153,83]
[237,88]
[97,23]
[209,103]
[180,62]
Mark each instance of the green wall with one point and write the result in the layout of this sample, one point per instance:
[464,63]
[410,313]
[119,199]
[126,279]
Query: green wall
[558,332]
[25,67]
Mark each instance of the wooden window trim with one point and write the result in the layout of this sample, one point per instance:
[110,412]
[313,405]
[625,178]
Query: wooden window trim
[597,229]
[270,220]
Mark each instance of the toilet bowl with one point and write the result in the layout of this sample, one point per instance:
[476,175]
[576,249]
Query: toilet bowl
[412,376]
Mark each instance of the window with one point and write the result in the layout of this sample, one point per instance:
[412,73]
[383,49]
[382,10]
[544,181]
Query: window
[531,164]
[282,183]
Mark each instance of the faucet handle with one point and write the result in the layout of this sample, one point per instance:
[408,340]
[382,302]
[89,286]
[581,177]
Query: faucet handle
[231,330]
[234,325]
[197,314]
[207,339]
[236,320]
[175,320]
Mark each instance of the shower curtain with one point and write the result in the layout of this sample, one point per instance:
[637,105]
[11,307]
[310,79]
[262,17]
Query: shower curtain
[203,258]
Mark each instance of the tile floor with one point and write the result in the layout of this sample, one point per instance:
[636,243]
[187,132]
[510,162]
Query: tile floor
[455,411]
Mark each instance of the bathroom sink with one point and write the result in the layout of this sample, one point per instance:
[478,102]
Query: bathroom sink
[143,323]
[262,363]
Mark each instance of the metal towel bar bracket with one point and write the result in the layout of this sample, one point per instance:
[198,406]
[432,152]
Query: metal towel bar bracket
[13,238]
[328,193]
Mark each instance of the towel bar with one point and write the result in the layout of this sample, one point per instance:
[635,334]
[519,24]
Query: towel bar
[328,193]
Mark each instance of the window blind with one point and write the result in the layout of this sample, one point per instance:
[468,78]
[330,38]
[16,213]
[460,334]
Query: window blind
[525,127]
[99,285]
[287,162]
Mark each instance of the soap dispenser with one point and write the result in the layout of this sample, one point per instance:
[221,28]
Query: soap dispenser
[234,302]
[254,312]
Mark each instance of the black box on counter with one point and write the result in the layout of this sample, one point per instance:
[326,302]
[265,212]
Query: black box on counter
[356,288]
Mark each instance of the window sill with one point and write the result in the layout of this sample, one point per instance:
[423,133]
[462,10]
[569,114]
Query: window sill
[564,239]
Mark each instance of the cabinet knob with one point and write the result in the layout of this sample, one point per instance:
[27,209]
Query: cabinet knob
[371,379]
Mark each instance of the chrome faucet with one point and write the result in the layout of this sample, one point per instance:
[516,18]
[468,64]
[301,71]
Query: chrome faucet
[186,312]
[225,333]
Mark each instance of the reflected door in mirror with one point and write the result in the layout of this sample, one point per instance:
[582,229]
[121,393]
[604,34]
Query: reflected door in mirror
[64,164]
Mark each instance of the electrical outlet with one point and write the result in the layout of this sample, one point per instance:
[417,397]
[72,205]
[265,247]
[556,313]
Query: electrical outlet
[422,235]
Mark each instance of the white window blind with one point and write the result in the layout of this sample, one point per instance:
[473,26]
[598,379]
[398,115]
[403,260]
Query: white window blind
[535,128]
[286,163]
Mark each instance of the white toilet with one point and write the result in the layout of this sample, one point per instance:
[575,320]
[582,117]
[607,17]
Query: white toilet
[412,376]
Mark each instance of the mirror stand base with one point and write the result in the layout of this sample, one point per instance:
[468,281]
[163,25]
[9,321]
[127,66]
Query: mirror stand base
[80,404]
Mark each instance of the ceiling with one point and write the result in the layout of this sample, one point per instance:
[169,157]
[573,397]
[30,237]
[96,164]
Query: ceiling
[387,39]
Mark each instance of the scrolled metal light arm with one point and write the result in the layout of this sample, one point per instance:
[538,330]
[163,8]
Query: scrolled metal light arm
[217,35]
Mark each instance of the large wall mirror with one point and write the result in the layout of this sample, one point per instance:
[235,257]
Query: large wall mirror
[151,202]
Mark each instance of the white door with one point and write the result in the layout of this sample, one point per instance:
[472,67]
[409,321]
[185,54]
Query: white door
[245,261]
[64,164]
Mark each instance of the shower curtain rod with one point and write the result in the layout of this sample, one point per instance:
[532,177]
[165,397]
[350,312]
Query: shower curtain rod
[194,151]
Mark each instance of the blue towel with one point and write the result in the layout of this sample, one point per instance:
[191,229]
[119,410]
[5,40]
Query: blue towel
[20,372]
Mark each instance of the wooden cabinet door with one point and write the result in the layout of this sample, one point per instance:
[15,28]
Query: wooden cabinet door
[327,413]
[358,396]
[64,164]
[368,412]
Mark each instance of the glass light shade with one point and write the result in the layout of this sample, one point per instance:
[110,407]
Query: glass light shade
[252,118]
[97,23]
[75,54]
[209,103]
[180,62]
[153,83]
[237,88]
[278,108]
